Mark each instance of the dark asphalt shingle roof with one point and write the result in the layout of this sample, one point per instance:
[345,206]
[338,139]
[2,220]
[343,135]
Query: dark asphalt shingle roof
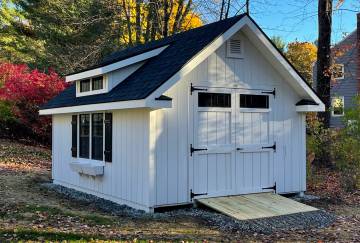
[156,71]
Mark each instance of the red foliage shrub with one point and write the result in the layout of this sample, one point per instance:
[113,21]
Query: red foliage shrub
[26,90]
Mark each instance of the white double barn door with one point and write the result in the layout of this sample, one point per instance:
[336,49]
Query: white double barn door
[231,153]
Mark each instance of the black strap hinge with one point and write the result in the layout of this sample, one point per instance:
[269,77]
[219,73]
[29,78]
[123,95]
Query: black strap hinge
[192,194]
[271,147]
[192,89]
[192,149]
[270,188]
[270,92]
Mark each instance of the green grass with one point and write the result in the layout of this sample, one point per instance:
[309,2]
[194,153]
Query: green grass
[26,234]
[21,234]
[86,217]
[94,219]
[40,208]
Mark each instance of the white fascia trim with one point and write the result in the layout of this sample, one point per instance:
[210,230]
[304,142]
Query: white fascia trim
[207,51]
[310,108]
[116,65]
[131,104]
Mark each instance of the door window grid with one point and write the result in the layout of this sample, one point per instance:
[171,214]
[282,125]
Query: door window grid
[254,101]
[214,100]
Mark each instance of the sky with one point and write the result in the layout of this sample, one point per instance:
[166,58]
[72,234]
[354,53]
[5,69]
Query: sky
[297,19]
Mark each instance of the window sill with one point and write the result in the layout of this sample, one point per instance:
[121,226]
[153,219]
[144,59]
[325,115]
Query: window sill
[88,167]
[258,110]
[92,92]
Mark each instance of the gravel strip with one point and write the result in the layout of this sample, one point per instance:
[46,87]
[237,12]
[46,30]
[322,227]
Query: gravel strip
[298,221]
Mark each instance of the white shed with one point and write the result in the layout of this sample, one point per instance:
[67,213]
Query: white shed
[209,112]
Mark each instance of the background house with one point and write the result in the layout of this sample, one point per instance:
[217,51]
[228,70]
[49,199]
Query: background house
[346,75]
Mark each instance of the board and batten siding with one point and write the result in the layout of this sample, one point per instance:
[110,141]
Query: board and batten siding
[126,179]
[170,129]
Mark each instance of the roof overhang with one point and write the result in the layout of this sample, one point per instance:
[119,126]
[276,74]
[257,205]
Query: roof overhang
[116,65]
[261,41]
[309,108]
[129,104]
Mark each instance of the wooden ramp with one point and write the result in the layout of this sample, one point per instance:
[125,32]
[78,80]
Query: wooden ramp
[254,206]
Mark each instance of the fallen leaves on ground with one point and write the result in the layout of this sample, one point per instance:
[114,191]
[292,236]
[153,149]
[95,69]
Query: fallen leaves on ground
[30,212]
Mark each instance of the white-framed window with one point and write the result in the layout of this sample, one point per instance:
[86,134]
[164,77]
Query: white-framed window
[235,48]
[92,136]
[337,106]
[91,86]
[338,71]
[254,102]
[222,100]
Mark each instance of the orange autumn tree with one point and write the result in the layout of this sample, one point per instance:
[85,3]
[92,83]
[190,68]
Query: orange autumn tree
[145,21]
[302,55]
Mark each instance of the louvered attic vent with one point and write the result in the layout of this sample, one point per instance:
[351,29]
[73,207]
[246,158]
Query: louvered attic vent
[235,48]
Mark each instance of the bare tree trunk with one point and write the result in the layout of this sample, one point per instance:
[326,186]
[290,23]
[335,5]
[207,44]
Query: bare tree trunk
[138,21]
[168,5]
[155,27]
[222,9]
[184,14]
[227,9]
[128,22]
[247,6]
[178,15]
[149,19]
[323,74]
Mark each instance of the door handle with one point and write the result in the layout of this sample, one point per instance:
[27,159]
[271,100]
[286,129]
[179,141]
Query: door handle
[239,149]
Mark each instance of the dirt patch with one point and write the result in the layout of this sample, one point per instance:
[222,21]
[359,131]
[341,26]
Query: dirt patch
[30,212]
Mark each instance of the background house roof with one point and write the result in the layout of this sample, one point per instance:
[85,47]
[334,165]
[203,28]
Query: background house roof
[156,71]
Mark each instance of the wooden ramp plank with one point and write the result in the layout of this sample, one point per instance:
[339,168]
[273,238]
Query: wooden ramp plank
[254,206]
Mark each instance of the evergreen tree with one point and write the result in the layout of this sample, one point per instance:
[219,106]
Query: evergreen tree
[70,35]
[63,34]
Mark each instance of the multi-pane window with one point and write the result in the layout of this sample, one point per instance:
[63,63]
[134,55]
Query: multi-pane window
[97,83]
[337,104]
[84,136]
[94,133]
[97,136]
[92,84]
[254,101]
[338,71]
[214,100]
[85,85]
